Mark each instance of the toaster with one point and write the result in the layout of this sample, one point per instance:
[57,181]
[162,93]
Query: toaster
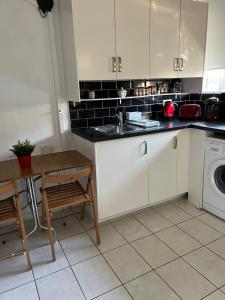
[190,111]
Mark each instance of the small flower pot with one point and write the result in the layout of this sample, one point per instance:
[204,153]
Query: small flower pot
[24,161]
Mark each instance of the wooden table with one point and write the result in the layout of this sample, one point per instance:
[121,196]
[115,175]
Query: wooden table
[10,170]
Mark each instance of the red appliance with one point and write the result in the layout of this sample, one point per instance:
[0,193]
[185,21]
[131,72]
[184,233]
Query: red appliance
[168,109]
[190,111]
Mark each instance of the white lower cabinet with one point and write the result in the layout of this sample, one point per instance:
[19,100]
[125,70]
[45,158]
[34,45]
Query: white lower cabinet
[122,176]
[137,172]
[162,166]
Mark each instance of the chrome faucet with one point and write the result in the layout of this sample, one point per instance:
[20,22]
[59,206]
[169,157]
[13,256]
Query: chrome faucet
[119,116]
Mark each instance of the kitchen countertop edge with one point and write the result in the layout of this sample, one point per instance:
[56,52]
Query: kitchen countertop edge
[90,135]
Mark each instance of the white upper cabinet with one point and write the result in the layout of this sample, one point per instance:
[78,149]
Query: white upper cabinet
[193,30]
[164,38]
[95,38]
[132,38]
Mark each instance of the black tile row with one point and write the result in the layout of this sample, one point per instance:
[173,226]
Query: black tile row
[95,113]
[118,84]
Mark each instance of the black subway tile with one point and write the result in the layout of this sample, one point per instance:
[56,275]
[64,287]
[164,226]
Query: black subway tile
[78,105]
[79,123]
[124,84]
[150,100]
[83,95]
[144,108]
[113,94]
[110,103]
[73,114]
[110,120]
[114,110]
[101,112]
[101,94]
[86,113]
[124,102]
[94,104]
[93,85]
[138,101]
[131,108]
[82,85]
[195,96]
[157,107]
[95,122]
[109,85]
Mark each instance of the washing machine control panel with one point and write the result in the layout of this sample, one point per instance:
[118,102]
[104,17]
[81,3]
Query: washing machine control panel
[217,148]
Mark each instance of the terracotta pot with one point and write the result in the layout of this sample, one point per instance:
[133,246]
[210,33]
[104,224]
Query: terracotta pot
[25,161]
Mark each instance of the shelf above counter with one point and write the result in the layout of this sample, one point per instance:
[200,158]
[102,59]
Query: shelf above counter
[133,97]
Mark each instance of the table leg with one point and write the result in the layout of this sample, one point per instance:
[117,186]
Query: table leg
[34,208]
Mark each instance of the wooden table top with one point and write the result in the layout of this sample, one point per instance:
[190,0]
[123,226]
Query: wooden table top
[10,169]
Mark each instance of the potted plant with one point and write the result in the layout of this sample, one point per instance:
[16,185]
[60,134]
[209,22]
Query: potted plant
[23,150]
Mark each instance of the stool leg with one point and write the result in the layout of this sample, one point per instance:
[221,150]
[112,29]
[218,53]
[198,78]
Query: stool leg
[95,210]
[23,235]
[83,211]
[51,239]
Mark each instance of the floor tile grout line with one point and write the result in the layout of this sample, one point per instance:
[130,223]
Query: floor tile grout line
[182,257]
[210,294]
[198,216]
[200,273]
[211,225]
[152,270]
[18,286]
[128,242]
[73,272]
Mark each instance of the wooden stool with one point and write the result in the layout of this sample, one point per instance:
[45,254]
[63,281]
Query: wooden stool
[10,211]
[67,193]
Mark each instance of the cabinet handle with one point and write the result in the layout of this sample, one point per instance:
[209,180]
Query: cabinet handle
[146,148]
[181,64]
[114,64]
[175,142]
[175,64]
[119,64]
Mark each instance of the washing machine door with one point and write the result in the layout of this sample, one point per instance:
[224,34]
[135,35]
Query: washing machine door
[217,176]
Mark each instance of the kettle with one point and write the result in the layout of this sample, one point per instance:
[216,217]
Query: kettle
[212,109]
[169,108]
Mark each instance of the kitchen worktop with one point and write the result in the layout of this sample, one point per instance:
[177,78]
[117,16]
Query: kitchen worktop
[93,136]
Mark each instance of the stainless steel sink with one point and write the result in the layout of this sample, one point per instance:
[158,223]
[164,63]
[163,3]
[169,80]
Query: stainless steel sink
[114,129]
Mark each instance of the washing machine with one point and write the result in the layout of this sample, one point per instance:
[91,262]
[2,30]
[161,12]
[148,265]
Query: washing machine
[214,176]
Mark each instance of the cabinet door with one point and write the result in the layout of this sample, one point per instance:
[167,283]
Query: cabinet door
[132,38]
[162,166]
[95,38]
[164,37]
[122,176]
[183,148]
[193,30]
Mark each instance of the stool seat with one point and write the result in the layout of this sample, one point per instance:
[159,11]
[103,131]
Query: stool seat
[8,211]
[64,195]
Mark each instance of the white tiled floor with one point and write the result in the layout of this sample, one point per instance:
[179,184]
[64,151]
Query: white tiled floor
[169,252]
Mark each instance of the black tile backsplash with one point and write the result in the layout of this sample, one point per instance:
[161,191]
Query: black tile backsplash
[101,112]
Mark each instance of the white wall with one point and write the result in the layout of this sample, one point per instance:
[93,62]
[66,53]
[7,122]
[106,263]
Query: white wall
[215,44]
[28,87]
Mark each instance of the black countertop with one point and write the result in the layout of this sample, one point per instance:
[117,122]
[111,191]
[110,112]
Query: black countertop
[94,136]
